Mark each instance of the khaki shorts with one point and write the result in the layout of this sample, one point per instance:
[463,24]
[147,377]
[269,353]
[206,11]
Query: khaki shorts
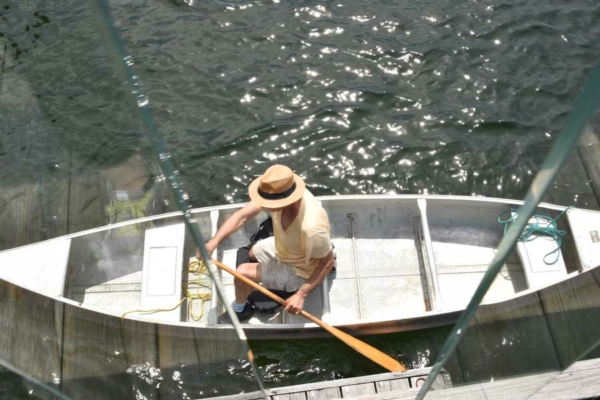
[275,274]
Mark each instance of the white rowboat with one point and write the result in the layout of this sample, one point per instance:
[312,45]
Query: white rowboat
[404,262]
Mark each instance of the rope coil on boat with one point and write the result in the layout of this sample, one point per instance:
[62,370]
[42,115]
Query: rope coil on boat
[191,292]
[544,225]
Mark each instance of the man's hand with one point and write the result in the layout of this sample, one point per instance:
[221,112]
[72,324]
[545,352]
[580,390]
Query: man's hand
[210,248]
[230,226]
[295,303]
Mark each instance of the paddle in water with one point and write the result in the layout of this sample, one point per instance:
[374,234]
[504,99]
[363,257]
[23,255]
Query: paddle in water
[366,350]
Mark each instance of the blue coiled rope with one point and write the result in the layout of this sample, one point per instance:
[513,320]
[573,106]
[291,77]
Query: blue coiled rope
[544,225]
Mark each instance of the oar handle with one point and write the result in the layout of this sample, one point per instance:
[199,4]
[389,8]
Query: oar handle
[368,351]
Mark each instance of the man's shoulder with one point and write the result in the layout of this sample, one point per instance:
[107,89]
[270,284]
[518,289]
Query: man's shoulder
[312,204]
[316,223]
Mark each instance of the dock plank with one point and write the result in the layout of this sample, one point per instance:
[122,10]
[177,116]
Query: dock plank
[324,394]
[392,385]
[358,390]
[342,388]
[383,386]
[257,395]
[291,396]
[519,388]
[578,381]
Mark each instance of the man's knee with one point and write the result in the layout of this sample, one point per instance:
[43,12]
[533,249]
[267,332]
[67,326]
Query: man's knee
[251,271]
[251,254]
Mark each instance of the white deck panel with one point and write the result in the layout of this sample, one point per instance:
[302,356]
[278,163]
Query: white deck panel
[391,281]
[460,255]
[387,255]
[40,267]
[342,297]
[117,303]
[116,296]
[459,288]
[537,272]
[461,268]
[342,286]
[162,271]
[392,297]
[532,253]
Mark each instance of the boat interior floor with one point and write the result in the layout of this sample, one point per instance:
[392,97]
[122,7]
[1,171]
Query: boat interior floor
[383,268]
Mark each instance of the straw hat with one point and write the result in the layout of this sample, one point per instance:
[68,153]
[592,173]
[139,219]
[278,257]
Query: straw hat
[276,188]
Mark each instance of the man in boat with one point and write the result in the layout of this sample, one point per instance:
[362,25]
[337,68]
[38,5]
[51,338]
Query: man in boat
[299,255]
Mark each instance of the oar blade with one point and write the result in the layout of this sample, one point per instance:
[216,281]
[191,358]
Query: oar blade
[377,356]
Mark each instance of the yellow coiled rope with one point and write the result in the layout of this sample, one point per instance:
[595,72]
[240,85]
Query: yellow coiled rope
[198,268]
[191,292]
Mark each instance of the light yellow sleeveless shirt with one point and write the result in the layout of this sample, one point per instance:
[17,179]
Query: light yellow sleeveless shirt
[307,239]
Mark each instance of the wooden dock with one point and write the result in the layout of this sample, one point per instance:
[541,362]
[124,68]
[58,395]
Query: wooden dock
[371,385]
[577,382]
[580,381]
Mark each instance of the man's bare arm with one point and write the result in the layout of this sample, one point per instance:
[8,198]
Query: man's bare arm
[296,302]
[231,225]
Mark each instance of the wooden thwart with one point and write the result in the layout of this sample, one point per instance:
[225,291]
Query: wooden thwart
[366,350]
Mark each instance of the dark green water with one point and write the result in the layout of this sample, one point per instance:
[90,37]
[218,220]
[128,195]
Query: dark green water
[358,97]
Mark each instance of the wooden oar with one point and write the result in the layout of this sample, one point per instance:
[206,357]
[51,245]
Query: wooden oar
[366,350]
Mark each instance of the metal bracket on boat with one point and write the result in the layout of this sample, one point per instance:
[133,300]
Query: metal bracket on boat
[436,301]
[352,229]
[325,317]
[423,268]
[214,300]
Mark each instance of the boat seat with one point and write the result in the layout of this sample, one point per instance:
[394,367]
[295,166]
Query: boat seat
[585,226]
[161,274]
[537,272]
